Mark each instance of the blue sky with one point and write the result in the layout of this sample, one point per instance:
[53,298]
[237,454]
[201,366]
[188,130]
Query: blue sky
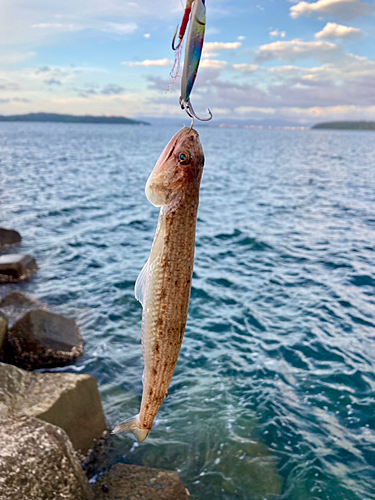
[264,59]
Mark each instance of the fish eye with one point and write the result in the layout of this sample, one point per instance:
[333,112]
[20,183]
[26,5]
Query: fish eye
[184,157]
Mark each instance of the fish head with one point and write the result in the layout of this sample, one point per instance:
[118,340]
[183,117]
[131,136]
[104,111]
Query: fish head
[179,167]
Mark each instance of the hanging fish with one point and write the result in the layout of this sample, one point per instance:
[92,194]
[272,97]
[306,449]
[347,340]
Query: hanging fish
[193,52]
[164,284]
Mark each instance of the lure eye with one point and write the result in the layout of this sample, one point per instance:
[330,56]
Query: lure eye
[184,157]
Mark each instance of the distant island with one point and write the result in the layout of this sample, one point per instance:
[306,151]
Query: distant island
[346,125]
[55,117]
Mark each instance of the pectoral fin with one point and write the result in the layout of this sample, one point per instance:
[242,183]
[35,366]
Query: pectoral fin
[140,284]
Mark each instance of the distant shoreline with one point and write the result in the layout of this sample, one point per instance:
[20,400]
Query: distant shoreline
[345,125]
[58,118]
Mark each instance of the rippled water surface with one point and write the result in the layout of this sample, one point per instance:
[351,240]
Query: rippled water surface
[274,391]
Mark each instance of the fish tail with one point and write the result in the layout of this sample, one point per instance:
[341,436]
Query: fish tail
[132,425]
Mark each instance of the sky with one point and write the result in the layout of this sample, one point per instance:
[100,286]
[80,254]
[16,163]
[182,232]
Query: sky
[297,61]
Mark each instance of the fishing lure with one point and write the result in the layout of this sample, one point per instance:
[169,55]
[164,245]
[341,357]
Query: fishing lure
[193,51]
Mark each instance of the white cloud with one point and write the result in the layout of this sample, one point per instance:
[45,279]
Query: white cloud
[276,33]
[248,110]
[241,38]
[15,57]
[120,29]
[107,27]
[213,64]
[284,70]
[212,46]
[351,67]
[212,49]
[147,35]
[333,30]
[210,55]
[58,27]
[332,112]
[149,62]
[339,9]
[34,22]
[298,49]
[246,68]
[220,111]
[6,84]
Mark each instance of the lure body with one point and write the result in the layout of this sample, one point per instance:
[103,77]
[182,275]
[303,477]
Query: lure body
[194,46]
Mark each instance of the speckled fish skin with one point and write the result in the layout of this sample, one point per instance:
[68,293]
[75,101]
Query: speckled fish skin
[164,284]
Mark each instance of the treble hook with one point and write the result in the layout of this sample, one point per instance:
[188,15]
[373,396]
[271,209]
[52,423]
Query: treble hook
[184,22]
[192,123]
[187,106]
[174,38]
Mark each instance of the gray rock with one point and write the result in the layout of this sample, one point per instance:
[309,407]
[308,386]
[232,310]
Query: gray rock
[41,339]
[15,268]
[9,237]
[16,304]
[37,462]
[3,331]
[19,300]
[67,400]
[134,482]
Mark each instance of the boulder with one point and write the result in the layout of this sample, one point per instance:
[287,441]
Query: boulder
[9,237]
[16,304]
[42,339]
[38,462]
[15,268]
[134,482]
[67,400]
[3,330]
[19,300]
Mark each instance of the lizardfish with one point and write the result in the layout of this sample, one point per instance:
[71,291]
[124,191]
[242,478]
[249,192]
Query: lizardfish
[164,284]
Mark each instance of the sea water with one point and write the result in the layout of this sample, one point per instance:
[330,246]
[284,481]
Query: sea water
[274,391]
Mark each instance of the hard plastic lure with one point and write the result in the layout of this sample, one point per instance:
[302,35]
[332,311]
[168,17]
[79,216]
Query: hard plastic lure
[193,52]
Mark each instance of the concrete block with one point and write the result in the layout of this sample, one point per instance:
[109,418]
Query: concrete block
[9,237]
[37,461]
[41,339]
[15,268]
[135,482]
[67,400]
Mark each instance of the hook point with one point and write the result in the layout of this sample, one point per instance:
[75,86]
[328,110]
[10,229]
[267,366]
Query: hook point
[174,38]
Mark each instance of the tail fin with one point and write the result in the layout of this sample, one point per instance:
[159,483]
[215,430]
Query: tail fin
[132,425]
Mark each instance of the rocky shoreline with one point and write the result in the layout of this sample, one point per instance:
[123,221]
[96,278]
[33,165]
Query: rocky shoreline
[52,425]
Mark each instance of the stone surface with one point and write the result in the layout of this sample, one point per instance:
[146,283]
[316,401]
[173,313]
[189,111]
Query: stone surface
[9,237]
[3,331]
[15,268]
[134,482]
[37,462]
[42,339]
[16,304]
[67,400]
[19,300]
